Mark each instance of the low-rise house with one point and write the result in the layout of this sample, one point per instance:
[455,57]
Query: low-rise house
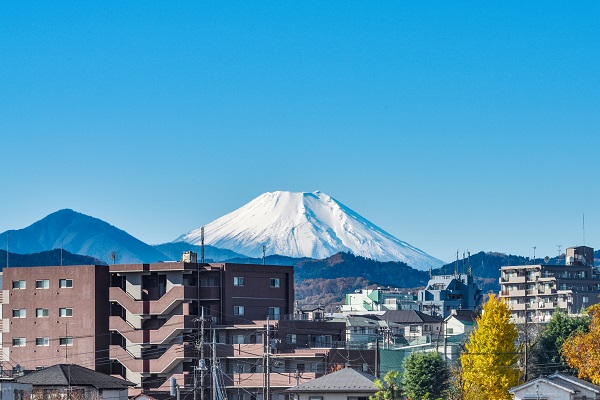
[380,299]
[415,324]
[460,322]
[345,384]
[79,383]
[556,387]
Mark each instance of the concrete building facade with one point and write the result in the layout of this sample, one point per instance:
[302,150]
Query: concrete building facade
[445,293]
[533,292]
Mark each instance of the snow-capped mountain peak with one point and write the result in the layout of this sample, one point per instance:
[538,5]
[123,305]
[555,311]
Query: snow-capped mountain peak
[304,224]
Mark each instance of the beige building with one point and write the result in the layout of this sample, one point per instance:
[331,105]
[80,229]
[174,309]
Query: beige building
[535,291]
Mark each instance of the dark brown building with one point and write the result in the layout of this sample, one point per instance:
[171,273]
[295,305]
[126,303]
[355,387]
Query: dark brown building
[55,314]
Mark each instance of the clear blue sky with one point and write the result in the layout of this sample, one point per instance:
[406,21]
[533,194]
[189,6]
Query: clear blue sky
[451,125]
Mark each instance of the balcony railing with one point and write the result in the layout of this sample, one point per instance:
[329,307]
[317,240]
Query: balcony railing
[174,326]
[163,305]
[169,359]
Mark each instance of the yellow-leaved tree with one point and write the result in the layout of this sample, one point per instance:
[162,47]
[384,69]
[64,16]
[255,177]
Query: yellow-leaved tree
[489,362]
[582,350]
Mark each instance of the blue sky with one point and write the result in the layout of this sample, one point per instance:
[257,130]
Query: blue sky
[452,126]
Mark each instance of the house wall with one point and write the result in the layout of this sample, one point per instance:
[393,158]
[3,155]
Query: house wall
[548,392]
[333,396]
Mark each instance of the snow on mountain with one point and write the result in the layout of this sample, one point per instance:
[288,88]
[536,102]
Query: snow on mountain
[306,225]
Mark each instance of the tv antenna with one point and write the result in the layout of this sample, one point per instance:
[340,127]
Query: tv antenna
[533,255]
[202,245]
[558,247]
[264,254]
[583,229]
[113,256]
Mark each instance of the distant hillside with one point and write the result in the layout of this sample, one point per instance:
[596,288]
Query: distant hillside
[80,234]
[346,265]
[46,258]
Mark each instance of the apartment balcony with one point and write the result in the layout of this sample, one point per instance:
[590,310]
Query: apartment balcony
[164,305]
[257,351]
[161,365]
[513,293]
[173,327]
[277,379]
[517,307]
[512,279]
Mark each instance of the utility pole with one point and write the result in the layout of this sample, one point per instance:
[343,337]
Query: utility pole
[267,388]
[214,365]
[201,367]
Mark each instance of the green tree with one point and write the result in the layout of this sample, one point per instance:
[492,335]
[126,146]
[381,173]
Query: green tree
[426,376]
[489,362]
[388,388]
[545,354]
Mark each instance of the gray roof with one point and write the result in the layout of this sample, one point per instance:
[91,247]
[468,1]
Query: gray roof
[566,382]
[75,375]
[344,380]
[409,317]
[464,316]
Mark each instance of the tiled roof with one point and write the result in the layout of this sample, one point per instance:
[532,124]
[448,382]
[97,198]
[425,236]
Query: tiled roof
[565,382]
[344,380]
[74,375]
[409,317]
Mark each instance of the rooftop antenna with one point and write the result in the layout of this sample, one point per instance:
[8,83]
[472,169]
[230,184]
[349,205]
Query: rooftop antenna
[62,243]
[469,261]
[202,245]
[456,266]
[558,247]
[533,255]
[264,254]
[7,240]
[113,256]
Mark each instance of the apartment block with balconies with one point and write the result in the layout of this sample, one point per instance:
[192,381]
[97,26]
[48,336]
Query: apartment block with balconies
[155,312]
[534,291]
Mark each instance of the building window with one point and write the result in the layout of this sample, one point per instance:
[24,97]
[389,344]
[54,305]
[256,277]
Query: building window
[42,341]
[290,338]
[585,299]
[41,312]
[238,310]
[65,283]
[275,282]
[315,398]
[274,312]
[42,284]
[238,281]
[239,339]
[19,342]
[66,341]
[19,313]
[65,312]
[450,330]
[210,281]
[18,285]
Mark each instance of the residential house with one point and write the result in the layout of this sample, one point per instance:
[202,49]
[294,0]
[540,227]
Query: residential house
[74,382]
[556,387]
[415,324]
[345,384]
[380,299]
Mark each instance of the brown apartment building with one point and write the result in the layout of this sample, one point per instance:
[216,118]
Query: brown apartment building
[55,315]
[141,321]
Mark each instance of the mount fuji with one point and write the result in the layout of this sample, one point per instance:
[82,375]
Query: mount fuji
[300,224]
